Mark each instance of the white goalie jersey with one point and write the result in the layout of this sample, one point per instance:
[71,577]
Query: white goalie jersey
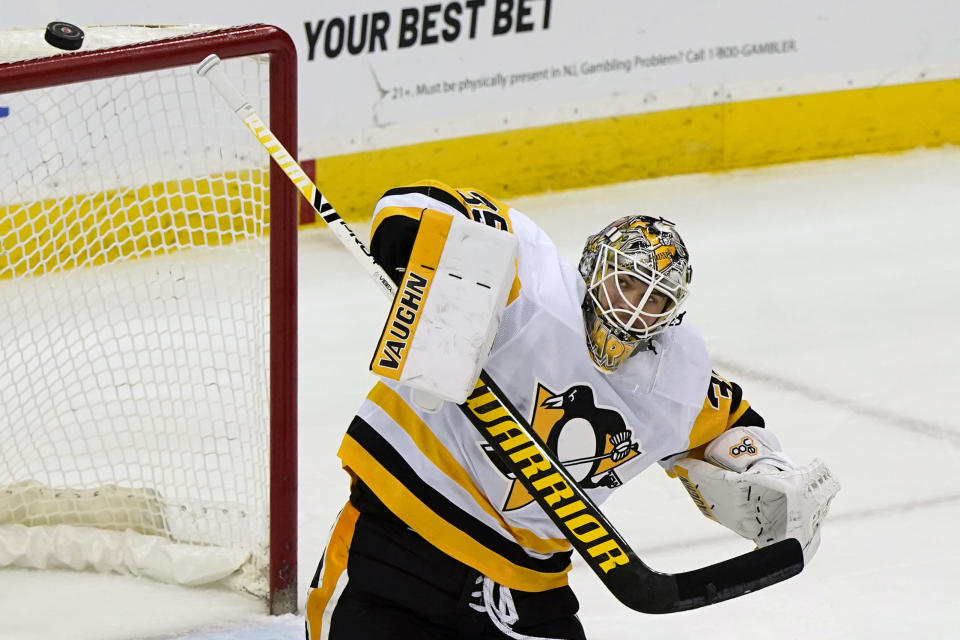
[435,471]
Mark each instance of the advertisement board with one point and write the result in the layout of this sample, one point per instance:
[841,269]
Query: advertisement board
[381,73]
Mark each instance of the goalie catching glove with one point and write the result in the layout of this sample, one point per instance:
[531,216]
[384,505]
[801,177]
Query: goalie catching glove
[748,486]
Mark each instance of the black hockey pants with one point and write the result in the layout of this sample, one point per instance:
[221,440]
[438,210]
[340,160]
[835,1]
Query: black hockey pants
[378,579]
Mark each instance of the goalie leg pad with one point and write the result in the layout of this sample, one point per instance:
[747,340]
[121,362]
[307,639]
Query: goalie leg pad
[448,307]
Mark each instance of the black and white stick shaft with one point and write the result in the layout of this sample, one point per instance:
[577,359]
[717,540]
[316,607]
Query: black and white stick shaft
[210,69]
[581,521]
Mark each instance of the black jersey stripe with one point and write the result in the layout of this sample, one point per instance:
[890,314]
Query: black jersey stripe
[371,441]
[431,192]
[749,418]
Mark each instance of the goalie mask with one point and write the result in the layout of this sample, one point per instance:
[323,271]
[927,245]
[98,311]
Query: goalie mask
[637,272]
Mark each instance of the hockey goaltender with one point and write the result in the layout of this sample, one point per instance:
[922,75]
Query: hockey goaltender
[441,536]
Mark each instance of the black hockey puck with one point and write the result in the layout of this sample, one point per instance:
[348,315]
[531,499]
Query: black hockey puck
[64,35]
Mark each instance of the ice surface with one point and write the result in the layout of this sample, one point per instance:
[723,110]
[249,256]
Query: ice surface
[829,290]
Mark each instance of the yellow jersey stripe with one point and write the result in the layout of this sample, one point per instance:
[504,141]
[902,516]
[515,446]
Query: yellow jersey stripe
[400,412]
[334,564]
[708,425]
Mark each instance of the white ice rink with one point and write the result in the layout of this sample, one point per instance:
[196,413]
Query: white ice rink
[830,291]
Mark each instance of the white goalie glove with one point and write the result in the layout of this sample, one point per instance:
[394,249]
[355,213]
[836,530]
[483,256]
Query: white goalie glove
[753,489]
[447,309]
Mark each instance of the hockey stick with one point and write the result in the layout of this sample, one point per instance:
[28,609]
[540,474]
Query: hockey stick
[524,453]
[578,461]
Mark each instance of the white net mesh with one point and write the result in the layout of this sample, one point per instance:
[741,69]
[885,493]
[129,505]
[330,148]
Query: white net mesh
[134,308]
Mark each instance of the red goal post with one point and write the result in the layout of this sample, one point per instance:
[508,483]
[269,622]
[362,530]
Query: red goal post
[47,243]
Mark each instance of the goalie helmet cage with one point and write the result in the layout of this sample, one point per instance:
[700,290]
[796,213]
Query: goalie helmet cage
[148,310]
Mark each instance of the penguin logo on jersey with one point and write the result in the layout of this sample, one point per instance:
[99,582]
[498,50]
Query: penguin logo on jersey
[590,441]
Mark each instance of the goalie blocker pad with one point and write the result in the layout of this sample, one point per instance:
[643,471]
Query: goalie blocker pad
[448,307]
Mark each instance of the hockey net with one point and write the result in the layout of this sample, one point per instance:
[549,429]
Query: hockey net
[148,310]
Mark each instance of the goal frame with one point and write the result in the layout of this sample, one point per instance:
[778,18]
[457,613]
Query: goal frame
[189,50]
